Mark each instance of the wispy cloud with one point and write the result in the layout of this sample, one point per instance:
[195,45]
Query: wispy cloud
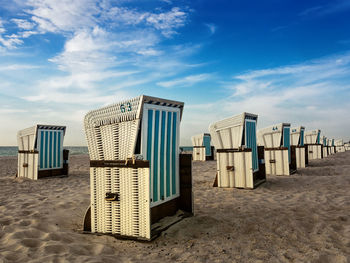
[185,81]
[67,17]
[94,53]
[278,28]
[304,94]
[212,27]
[284,93]
[106,50]
[13,67]
[23,24]
[331,8]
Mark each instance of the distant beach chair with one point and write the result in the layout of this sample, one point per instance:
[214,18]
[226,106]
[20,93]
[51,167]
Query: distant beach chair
[313,144]
[137,176]
[237,153]
[324,147]
[297,146]
[339,145]
[347,146]
[41,153]
[331,146]
[277,150]
[202,149]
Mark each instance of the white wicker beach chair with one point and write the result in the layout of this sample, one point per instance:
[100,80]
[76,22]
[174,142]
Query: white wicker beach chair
[313,144]
[339,145]
[324,147]
[134,159]
[41,153]
[277,150]
[202,150]
[297,143]
[238,164]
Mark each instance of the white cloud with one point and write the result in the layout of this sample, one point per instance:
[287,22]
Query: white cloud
[10,111]
[2,29]
[167,22]
[23,24]
[110,51]
[68,97]
[64,15]
[167,1]
[212,28]
[313,94]
[71,17]
[10,41]
[186,81]
[327,9]
[13,67]
[150,52]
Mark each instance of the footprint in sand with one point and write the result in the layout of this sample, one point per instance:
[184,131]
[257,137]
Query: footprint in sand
[5,222]
[25,213]
[25,222]
[11,256]
[53,237]
[55,249]
[31,242]
[30,233]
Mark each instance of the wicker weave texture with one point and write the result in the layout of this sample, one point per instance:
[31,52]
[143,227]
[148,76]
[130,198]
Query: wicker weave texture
[271,137]
[314,152]
[41,148]
[28,165]
[235,169]
[295,136]
[111,132]
[300,157]
[130,215]
[199,154]
[311,136]
[276,162]
[325,151]
[340,149]
[197,140]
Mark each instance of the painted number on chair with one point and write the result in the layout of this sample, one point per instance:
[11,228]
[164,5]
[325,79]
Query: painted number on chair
[126,107]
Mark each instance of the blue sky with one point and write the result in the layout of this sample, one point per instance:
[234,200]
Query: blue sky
[287,61]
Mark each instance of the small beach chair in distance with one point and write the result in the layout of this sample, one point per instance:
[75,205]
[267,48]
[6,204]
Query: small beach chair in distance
[347,146]
[237,153]
[41,153]
[324,147]
[137,176]
[339,145]
[277,150]
[313,144]
[331,146]
[298,147]
[202,150]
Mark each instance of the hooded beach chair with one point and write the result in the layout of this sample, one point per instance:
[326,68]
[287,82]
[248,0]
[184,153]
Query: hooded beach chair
[202,149]
[137,176]
[313,144]
[339,145]
[324,147]
[41,153]
[237,152]
[298,147]
[277,150]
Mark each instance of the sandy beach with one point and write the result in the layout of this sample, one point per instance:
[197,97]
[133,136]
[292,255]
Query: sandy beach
[301,218]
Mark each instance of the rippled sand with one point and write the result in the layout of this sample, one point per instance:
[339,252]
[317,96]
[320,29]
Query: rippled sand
[301,218]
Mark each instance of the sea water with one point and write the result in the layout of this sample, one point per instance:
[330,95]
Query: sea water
[13,150]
